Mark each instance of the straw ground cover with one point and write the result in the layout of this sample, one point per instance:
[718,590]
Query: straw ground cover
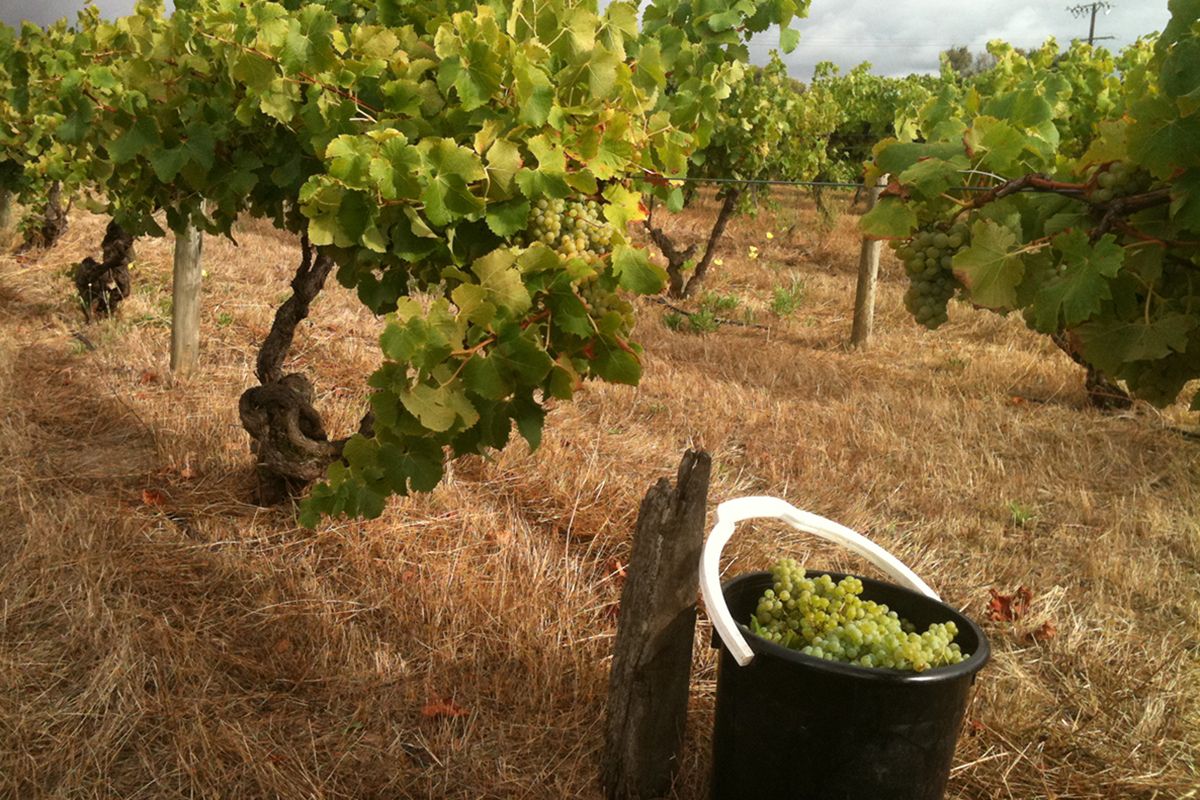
[160,637]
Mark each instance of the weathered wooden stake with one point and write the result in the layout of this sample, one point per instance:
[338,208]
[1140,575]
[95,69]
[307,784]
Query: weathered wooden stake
[868,278]
[652,657]
[7,208]
[185,297]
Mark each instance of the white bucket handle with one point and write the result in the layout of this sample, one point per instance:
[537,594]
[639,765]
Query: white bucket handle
[734,511]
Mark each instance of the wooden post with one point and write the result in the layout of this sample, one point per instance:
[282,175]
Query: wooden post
[652,656]
[868,278]
[185,297]
[7,209]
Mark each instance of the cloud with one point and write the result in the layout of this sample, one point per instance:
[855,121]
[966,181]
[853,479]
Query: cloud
[43,12]
[903,36]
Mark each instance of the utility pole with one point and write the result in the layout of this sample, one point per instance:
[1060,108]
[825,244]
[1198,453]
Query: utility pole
[1086,9]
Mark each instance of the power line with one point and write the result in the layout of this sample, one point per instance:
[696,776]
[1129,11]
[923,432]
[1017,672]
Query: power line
[817,184]
[1085,9]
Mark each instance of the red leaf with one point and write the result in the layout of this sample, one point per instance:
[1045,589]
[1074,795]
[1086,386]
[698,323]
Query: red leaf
[148,377]
[443,708]
[1045,631]
[1009,607]
[153,497]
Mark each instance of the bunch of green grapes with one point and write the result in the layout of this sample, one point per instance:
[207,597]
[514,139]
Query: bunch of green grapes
[831,621]
[602,299]
[927,258]
[574,227]
[1120,179]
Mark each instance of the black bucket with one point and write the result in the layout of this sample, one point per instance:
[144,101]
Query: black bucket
[802,728]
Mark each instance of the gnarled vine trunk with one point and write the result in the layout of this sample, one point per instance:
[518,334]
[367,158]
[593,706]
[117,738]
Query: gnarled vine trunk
[103,284]
[52,225]
[680,284]
[1102,392]
[288,437]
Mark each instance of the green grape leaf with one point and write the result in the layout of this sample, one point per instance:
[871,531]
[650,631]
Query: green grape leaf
[503,164]
[415,465]
[636,272]
[894,157]
[1110,344]
[350,160]
[254,70]
[471,299]
[531,419]
[1112,144]
[140,137]
[994,143]
[447,195]
[624,206]
[1185,201]
[500,278]
[395,169]
[988,267]
[1161,140]
[1180,76]
[167,162]
[534,92]
[1080,291]
[933,176]
[439,408]
[891,218]
[788,39]
[509,217]
[569,313]
[522,358]
[548,179]
[482,375]
[616,365]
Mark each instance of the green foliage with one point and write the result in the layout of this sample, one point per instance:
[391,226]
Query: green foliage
[703,321]
[411,142]
[1087,222]
[719,303]
[786,299]
[674,320]
[866,108]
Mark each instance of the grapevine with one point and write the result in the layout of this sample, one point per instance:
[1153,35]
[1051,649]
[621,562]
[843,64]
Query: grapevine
[1079,192]
[424,152]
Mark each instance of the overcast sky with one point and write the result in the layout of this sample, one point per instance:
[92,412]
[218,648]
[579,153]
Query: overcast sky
[897,36]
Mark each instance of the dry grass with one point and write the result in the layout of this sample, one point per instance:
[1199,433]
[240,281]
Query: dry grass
[196,646]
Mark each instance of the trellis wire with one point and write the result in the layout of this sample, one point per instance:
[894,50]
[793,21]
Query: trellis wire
[820,184]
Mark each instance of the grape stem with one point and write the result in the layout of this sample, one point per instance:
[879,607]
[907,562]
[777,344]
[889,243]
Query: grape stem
[1032,181]
[1124,206]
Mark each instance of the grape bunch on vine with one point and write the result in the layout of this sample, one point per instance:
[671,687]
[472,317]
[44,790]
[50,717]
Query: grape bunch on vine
[1081,212]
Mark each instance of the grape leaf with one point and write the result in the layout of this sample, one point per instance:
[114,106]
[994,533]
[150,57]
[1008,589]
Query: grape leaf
[509,217]
[636,272]
[1080,291]
[988,268]
[1110,344]
[1161,140]
[891,218]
